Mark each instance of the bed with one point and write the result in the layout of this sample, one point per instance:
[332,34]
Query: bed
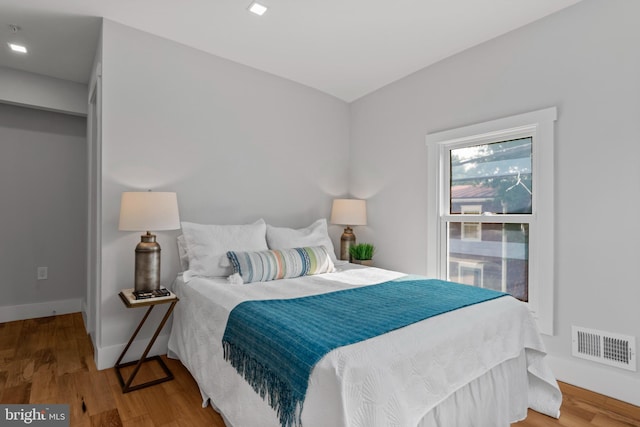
[481,365]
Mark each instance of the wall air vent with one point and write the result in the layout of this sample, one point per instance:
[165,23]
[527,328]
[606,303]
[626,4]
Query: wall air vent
[604,347]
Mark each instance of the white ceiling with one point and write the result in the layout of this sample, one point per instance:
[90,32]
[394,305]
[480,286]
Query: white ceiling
[346,48]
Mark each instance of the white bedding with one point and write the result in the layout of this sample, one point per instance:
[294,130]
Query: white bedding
[483,363]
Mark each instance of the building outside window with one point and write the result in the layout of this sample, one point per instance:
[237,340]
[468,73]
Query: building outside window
[492,215]
[470,231]
[498,175]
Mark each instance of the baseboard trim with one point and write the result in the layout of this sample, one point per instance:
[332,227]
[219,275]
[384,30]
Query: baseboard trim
[106,357]
[12,313]
[605,380]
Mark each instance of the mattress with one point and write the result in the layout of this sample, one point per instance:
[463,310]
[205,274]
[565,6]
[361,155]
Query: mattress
[484,362]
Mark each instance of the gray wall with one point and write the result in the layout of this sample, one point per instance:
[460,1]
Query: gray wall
[42,211]
[235,143]
[585,61]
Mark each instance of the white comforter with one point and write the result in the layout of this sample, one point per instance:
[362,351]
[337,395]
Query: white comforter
[396,379]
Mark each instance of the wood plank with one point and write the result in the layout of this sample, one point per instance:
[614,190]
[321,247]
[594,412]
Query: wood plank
[155,401]
[85,350]
[10,334]
[603,420]
[110,418]
[19,372]
[3,379]
[623,408]
[69,394]
[95,390]
[141,421]
[16,394]
[44,384]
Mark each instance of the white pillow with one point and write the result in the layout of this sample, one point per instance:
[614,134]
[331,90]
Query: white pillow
[314,235]
[207,245]
[182,253]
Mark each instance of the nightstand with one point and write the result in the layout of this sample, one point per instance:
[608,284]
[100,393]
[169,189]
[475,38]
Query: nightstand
[126,295]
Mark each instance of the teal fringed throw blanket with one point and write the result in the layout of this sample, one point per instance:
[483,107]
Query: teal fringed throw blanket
[274,344]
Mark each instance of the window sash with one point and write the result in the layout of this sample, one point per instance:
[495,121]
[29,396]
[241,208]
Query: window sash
[446,172]
[505,255]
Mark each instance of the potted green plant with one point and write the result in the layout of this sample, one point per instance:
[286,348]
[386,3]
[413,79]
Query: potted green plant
[362,253]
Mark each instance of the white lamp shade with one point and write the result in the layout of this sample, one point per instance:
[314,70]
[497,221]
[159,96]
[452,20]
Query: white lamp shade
[349,212]
[149,210]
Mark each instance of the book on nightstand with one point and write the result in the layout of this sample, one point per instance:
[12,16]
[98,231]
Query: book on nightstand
[155,293]
[130,300]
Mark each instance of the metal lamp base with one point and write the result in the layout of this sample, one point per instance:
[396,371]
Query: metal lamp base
[147,276]
[347,240]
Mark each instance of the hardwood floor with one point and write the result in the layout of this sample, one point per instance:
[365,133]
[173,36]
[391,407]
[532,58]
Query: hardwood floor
[581,407]
[50,360]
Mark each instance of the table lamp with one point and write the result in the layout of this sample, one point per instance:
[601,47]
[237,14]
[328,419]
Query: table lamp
[348,212]
[144,211]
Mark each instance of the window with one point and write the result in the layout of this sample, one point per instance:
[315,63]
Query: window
[491,216]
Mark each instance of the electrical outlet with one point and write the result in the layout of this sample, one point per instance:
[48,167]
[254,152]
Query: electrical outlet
[42,273]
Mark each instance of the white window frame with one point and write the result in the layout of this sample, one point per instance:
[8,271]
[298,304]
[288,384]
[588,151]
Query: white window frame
[540,125]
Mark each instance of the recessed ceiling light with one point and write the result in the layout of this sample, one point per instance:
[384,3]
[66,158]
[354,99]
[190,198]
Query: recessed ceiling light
[17,48]
[257,8]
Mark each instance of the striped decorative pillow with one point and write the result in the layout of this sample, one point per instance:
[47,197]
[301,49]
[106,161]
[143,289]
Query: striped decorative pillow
[276,264]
